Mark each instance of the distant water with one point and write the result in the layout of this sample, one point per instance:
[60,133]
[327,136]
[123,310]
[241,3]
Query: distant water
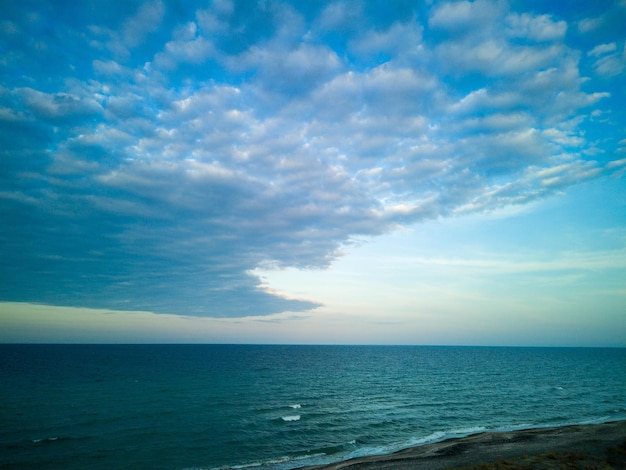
[210,406]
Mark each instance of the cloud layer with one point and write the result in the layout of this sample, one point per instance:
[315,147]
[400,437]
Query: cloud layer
[152,158]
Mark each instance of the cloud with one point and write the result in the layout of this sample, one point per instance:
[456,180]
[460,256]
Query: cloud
[132,31]
[57,105]
[610,61]
[565,262]
[291,70]
[338,15]
[193,51]
[536,28]
[215,19]
[602,49]
[587,25]
[159,178]
[400,38]
[464,16]
[496,58]
[147,20]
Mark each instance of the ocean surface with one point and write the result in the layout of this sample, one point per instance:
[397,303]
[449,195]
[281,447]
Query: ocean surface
[281,407]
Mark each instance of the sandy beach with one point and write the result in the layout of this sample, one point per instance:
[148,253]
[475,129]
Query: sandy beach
[598,446]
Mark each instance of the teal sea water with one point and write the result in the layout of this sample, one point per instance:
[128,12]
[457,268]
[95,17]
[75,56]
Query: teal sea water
[281,407]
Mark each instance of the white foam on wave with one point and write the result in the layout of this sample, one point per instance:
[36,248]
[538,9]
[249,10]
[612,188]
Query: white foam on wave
[554,424]
[296,406]
[291,418]
[47,439]
[437,436]
[278,463]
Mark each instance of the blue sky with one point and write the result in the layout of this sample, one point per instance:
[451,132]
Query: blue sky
[313,172]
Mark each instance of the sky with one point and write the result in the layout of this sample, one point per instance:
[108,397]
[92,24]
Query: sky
[343,172]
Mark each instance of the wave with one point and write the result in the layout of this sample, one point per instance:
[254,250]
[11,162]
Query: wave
[278,463]
[440,436]
[347,451]
[291,418]
[296,406]
[46,439]
[437,436]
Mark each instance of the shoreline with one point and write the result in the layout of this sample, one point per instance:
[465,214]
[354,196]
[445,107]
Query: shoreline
[573,446]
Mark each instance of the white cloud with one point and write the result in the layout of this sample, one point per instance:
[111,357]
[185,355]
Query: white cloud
[147,20]
[340,15]
[193,51]
[131,33]
[214,20]
[566,262]
[8,114]
[587,25]
[483,99]
[293,147]
[564,138]
[611,61]
[602,49]
[568,174]
[185,32]
[58,105]
[109,67]
[391,87]
[224,7]
[495,58]
[300,68]
[464,15]
[535,28]
[496,122]
[398,39]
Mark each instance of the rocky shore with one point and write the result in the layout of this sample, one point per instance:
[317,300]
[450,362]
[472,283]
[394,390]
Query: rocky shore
[600,446]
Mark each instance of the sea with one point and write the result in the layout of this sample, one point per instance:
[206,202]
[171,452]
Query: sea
[282,407]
